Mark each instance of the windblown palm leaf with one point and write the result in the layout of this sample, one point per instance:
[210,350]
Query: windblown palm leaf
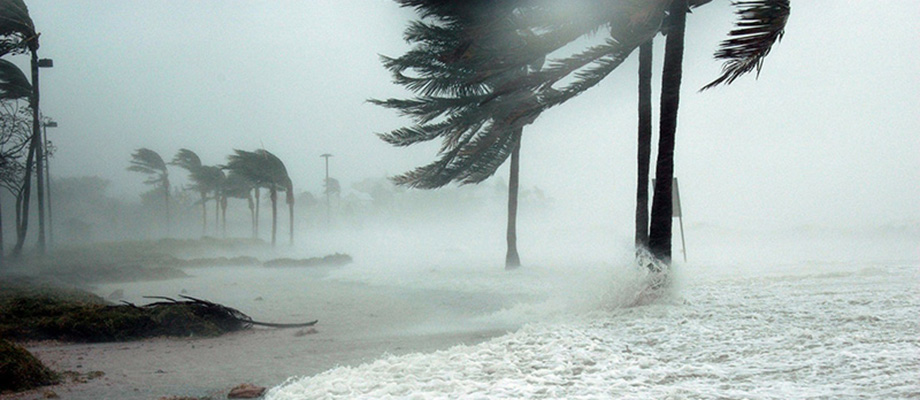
[478,78]
[149,162]
[17,32]
[13,83]
[760,25]
[187,160]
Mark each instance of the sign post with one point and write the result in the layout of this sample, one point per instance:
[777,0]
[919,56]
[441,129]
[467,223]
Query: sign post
[675,201]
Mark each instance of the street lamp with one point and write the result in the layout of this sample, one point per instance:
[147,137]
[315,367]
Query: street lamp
[37,144]
[326,185]
[48,124]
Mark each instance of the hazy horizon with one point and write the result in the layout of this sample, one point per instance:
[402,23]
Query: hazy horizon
[826,136]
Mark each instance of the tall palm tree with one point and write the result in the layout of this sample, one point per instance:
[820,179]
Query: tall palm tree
[18,35]
[454,43]
[150,163]
[644,145]
[476,60]
[13,86]
[264,169]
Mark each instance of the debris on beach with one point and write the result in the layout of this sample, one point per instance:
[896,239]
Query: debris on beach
[246,391]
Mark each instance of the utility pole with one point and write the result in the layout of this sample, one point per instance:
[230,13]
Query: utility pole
[326,187]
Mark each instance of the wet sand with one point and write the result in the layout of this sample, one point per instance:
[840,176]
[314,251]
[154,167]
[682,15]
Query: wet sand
[358,323]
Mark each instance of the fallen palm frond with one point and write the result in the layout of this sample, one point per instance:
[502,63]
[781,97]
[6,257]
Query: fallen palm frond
[30,315]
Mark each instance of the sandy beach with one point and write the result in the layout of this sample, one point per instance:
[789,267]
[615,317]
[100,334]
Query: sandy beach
[358,323]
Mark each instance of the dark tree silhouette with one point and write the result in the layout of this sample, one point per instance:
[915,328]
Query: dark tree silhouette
[150,163]
[264,169]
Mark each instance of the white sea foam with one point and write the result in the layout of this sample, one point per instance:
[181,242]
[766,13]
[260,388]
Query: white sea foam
[850,332]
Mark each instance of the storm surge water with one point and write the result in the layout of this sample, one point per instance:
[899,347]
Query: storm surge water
[828,331]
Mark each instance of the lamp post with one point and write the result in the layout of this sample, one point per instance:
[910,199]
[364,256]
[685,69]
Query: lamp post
[37,145]
[326,185]
[45,126]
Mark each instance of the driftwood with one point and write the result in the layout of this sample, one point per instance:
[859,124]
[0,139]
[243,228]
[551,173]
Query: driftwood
[219,311]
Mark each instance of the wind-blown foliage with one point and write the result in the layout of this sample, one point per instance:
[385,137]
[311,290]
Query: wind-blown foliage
[466,69]
[761,24]
[264,169]
[17,32]
[13,83]
[150,163]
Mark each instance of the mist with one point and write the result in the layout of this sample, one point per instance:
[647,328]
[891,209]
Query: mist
[796,182]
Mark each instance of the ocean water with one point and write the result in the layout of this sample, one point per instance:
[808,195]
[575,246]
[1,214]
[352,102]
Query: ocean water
[792,330]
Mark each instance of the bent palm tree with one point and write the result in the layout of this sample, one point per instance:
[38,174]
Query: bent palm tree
[478,61]
[17,35]
[238,187]
[13,86]
[189,161]
[264,169]
[150,163]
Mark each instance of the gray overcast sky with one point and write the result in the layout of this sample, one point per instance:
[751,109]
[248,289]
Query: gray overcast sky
[829,133]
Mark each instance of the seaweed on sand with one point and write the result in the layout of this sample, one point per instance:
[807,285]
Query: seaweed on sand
[47,317]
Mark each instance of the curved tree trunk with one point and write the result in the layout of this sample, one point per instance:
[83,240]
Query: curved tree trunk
[23,226]
[512,259]
[290,202]
[644,147]
[662,208]
[273,193]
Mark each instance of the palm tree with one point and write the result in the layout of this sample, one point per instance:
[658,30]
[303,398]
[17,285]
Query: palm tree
[264,169]
[189,161]
[18,35]
[238,187]
[211,179]
[477,59]
[13,86]
[443,63]
[150,163]
[644,145]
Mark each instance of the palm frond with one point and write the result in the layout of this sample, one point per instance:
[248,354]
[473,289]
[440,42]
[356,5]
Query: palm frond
[13,82]
[760,25]
[144,160]
[16,27]
[187,160]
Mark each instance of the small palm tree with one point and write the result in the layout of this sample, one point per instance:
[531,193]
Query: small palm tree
[189,161]
[238,187]
[264,169]
[150,163]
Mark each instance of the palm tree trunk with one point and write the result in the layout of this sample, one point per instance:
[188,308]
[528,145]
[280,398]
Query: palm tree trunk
[255,227]
[644,149]
[660,229]
[290,202]
[204,214]
[216,215]
[273,193]
[166,200]
[252,212]
[2,260]
[23,226]
[223,208]
[512,259]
